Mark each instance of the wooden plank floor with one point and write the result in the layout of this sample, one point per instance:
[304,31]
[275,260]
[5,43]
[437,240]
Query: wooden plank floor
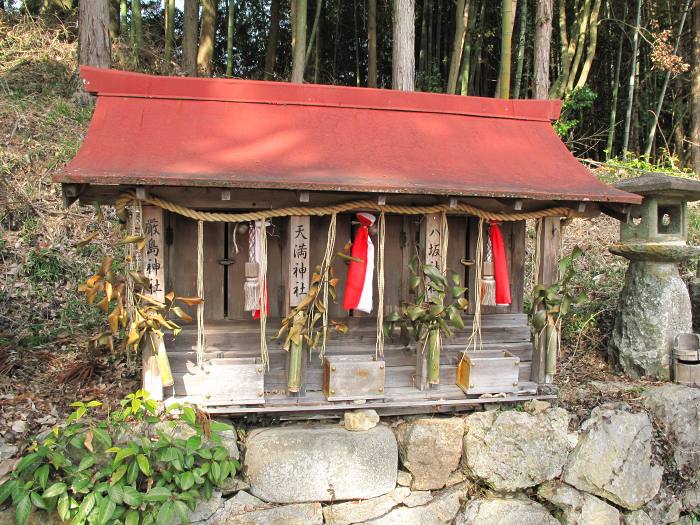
[238,339]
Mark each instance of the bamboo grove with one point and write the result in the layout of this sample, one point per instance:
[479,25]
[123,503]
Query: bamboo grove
[626,69]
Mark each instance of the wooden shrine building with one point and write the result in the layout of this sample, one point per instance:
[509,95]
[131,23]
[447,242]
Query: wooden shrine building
[237,183]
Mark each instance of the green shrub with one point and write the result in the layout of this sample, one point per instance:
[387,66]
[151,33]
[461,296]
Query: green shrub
[124,468]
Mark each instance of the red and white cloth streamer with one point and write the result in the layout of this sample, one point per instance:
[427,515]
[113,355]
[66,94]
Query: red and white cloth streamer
[358,290]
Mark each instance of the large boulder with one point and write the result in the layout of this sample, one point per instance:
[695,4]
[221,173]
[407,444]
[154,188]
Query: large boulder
[654,306]
[430,448]
[613,458]
[578,507]
[301,463]
[441,510]
[677,409]
[511,450]
[502,511]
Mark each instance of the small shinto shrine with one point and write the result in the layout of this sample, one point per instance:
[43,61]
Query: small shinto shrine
[380,233]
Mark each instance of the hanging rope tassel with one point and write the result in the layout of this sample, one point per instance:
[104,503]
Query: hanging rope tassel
[379,345]
[325,276]
[201,342]
[251,287]
[487,285]
[474,341]
[262,283]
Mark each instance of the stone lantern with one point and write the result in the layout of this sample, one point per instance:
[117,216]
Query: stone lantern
[654,304]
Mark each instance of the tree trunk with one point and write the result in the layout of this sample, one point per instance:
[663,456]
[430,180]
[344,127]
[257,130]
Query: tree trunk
[136,30]
[372,44]
[632,81]
[695,91]
[190,21]
[467,54]
[461,20]
[123,19]
[230,31]
[299,44]
[169,8]
[507,9]
[664,87]
[616,89]
[207,33]
[271,51]
[522,36]
[93,38]
[403,61]
[543,42]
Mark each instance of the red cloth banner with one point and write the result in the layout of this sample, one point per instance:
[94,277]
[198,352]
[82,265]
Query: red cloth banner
[500,266]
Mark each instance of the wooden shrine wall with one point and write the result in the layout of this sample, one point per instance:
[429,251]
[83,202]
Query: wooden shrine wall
[402,233]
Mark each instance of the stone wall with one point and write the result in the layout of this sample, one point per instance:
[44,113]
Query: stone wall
[626,463]
[634,463]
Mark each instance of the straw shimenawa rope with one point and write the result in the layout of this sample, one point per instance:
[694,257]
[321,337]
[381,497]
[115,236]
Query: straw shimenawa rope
[261,215]
[458,209]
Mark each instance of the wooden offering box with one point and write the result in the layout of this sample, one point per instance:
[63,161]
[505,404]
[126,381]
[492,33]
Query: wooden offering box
[488,372]
[234,379]
[350,377]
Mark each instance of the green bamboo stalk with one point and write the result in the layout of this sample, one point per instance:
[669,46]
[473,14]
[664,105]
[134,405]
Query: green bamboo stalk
[434,356]
[294,374]
[551,342]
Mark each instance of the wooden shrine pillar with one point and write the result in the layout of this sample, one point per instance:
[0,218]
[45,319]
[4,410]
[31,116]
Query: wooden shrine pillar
[153,262]
[298,279]
[547,253]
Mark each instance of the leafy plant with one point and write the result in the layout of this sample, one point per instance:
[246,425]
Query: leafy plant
[303,326]
[432,315]
[548,306]
[124,468]
[575,101]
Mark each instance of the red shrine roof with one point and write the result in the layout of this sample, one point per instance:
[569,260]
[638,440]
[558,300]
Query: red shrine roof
[154,130]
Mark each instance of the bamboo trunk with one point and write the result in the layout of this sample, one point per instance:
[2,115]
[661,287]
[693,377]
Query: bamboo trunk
[507,7]
[299,44]
[230,30]
[461,21]
[207,34]
[434,356]
[632,81]
[520,60]
[136,30]
[551,347]
[615,92]
[294,369]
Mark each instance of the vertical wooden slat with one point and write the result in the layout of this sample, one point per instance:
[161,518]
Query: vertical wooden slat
[299,272]
[516,245]
[548,246]
[153,260]
[153,228]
